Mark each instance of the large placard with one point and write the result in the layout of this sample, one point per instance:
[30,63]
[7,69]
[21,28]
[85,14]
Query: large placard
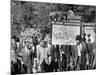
[90,30]
[64,34]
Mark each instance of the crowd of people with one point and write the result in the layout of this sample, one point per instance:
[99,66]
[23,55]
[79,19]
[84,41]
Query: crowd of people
[61,16]
[40,55]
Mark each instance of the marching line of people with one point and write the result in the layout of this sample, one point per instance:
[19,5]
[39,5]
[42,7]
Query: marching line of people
[42,56]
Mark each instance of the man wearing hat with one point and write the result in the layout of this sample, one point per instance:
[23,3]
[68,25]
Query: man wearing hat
[76,50]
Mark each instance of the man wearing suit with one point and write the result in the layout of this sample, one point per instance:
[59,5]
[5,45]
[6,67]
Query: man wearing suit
[65,57]
[26,57]
[43,54]
[76,52]
[51,48]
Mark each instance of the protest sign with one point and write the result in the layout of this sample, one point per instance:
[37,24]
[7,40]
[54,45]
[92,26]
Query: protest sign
[64,35]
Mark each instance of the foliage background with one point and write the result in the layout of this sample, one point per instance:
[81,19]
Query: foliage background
[36,14]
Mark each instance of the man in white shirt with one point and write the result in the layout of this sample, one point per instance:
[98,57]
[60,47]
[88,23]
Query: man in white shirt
[43,56]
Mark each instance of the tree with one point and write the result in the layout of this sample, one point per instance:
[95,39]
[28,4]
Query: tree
[26,14]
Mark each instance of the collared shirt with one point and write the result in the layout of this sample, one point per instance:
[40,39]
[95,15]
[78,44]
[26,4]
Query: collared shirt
[79,47]
[26,50]
[42,54]
[51,52]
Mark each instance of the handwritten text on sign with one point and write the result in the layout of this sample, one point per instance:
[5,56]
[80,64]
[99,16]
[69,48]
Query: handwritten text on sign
[64,35]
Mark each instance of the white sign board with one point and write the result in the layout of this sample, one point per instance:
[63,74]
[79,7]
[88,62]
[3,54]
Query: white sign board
[64,35]
[90,30]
